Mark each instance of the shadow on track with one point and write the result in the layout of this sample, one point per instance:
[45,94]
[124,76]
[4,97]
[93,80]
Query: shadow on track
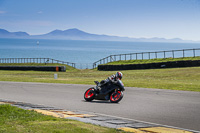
[96,101]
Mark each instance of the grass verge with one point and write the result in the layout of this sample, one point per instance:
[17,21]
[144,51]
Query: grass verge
[172,78]
[15,120]
[146,61]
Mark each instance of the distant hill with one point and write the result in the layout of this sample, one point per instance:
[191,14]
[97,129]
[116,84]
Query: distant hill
[6,34]
[76,34]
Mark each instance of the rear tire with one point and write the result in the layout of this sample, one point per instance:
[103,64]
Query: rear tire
[116,96]
[89,94]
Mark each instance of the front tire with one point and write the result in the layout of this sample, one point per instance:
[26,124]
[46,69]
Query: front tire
[116,96]
[89,94]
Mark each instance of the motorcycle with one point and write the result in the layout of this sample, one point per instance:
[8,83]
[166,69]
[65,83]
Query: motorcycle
[112,91]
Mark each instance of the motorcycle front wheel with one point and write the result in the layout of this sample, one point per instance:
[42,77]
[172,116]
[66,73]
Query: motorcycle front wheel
[116,96]
[89,94]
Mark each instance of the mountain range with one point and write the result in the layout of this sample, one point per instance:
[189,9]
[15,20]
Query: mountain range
[76,34]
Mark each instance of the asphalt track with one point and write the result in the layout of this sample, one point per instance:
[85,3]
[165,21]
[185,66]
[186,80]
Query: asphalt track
[174,108]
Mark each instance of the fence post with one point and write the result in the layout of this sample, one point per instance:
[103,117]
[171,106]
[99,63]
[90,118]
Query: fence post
[183,53]
[156,54]
[149,55]
[173,53]
[164,54]
[142,56]
[194,52]
[93,65]
[136,56]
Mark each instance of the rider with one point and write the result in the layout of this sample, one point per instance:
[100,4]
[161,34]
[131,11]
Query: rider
[113,78]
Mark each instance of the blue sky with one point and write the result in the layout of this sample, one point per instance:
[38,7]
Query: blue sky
[130,18]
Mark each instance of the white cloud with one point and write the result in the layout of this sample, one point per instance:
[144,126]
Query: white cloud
[37,23]
[34,23]
[40,12]
[2,12]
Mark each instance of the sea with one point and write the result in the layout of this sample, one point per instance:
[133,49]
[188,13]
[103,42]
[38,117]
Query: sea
[83,53]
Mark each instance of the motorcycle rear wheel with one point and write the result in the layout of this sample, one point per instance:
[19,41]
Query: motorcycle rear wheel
[89,94]
[116,96]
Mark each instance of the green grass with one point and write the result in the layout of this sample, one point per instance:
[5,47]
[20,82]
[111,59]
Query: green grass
[16,120]
[172,78]
[122,62]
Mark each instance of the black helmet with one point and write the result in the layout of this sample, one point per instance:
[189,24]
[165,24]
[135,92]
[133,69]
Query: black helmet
[119,75]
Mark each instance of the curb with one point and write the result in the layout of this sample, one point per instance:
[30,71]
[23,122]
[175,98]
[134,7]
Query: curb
[100,119]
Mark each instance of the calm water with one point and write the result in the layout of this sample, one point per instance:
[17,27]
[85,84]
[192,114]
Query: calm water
[80,52]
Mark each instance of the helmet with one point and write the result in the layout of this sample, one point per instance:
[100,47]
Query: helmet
[119,75]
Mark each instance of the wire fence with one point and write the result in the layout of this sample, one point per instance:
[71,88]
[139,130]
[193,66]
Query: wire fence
[84,65]
[45,61]
[35,60]
[118,57]
[149,55]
